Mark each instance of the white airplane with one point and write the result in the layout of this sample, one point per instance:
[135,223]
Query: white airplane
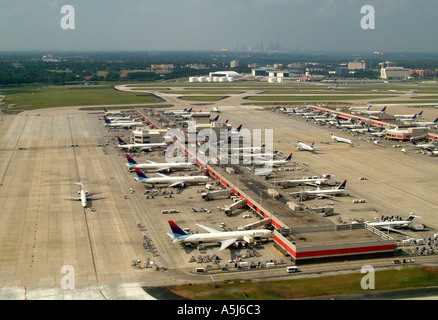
[178,181]
[109,123]
[215,109]
[304,147]
[409,116]
[376,133]
[322,193]
[83,195]
[112,113]
[340,139]
[393,225]
[348,125]
[160,167]
[359,108]
[175,112]
[274,163]
[304,181]
[225,238]
[141,146]
[426,123]
[432,153]
[379,53]
[373,112]
[423,145]
[252,149]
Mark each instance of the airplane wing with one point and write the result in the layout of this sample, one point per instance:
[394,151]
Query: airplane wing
[388,228]
[226,243]
[94,197]
[211,230]
[73,198]
[164,169]
[177,183]
[323,195]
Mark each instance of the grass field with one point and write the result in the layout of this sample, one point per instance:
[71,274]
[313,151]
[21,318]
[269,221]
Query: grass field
[309,287]
[47,97]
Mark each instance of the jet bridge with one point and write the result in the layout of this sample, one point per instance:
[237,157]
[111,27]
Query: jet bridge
[237,205]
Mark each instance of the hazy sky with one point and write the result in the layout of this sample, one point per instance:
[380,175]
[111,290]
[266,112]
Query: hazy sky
[317,25]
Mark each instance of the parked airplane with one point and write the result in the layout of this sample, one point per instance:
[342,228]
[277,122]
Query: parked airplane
[359,108]
[225,238]
[348,125]
[215,109]
[392,225]
[127,124]
[376,133]
[252,149]
[140,146]
[83,195]
[177,181]
[322,193]
[160,167]
[340,139]
[409,116]
[423,145]
[371,112]
[304,181]
[432,152]
[304,147]
[112,113]
[177,112]
[274,163]
[425,123]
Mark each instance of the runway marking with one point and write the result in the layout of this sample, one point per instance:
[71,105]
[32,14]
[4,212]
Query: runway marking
[85,209]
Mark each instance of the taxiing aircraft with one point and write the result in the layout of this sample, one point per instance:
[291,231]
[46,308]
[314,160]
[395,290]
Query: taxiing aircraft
[304,147]
[83,195]
[177,181]
[379,53]
[140,146]
[225,238]
[340,139]
[160,167]
[322,193]
[393,225]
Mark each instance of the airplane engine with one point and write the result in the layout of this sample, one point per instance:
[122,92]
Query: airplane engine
[239,244]
[79,192]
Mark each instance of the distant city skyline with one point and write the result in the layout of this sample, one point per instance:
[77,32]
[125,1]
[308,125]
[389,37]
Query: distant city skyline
[292,25]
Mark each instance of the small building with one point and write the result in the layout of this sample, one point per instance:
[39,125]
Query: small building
[146,136]
[405,134]
[394,73]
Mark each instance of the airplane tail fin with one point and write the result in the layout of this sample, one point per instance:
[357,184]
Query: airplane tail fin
[130,160]
[435,121]
[216,118]
[414,142]
[140,174]
[107,121]
[121,141]
[412,216]
[419,114]
[105,110]
[313,143]
[343,185]
[289,157]
[238,128]
[384,109]
[190,110]
[177,232]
